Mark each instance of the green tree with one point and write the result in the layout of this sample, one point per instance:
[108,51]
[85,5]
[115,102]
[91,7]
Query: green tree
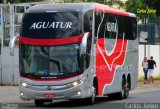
[154,4]
[115,2]
[23,1]
[133,5]
[97,1]
[107,2]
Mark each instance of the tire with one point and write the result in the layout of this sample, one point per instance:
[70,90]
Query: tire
[126,94]
[121,95]
[39,103]
[91,100]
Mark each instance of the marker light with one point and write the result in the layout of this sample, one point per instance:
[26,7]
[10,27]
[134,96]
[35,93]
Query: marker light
[21,94]
[78,93]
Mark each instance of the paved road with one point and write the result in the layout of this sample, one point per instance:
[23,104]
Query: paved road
[138,98]
[135,101]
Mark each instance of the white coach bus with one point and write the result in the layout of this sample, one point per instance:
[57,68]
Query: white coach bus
[77,51]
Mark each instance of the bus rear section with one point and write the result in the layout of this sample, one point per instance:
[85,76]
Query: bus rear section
[77,51]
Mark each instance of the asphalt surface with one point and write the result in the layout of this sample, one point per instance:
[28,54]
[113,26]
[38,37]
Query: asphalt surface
[10,94]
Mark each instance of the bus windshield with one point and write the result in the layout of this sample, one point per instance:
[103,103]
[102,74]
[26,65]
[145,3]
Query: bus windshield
[47,62]
[51,25]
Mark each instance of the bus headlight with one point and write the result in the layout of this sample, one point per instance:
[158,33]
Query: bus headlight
[75,83]
[24,84]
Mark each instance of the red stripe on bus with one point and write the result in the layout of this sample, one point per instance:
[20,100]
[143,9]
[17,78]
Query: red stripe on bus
[49,42]
[107,9]
[106,65]
[49,80]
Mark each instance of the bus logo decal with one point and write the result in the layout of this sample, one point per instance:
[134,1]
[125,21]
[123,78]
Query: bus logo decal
[107,63]
[49,88]
[112,27]
[44,25]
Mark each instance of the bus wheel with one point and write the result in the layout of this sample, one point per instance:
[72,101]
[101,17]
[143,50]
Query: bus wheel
[91,100]
[121,95]
[39,103]
[126,94]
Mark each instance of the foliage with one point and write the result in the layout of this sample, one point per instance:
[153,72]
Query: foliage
[133,5]
[107,2]
[23,1]
[97,1]
[154,4]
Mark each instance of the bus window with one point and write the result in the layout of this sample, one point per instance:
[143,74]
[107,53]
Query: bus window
[89,43]
[130,28]
[51,25]
[111,26]
[88,21]
[106,25]
[120,26]
[99,26]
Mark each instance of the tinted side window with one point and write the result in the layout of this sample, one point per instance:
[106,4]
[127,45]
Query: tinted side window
[130,28]
[88,17]
[120,27]
[113,26]
[99,29]
[106,25]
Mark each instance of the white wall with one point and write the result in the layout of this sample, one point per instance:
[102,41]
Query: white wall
[9,67]
[151,50]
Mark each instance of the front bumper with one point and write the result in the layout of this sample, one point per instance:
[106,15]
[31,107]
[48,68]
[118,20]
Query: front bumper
[55,92]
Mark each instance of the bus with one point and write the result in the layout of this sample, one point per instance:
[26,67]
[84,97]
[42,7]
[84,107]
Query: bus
[76,51]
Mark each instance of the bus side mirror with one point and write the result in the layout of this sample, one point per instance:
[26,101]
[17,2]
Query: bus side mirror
[83,45]
[12,45]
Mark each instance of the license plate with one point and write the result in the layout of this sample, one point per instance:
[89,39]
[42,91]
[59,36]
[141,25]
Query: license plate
[49,95]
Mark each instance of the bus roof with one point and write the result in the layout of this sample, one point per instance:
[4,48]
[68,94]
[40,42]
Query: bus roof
[62,7]
[108,9]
